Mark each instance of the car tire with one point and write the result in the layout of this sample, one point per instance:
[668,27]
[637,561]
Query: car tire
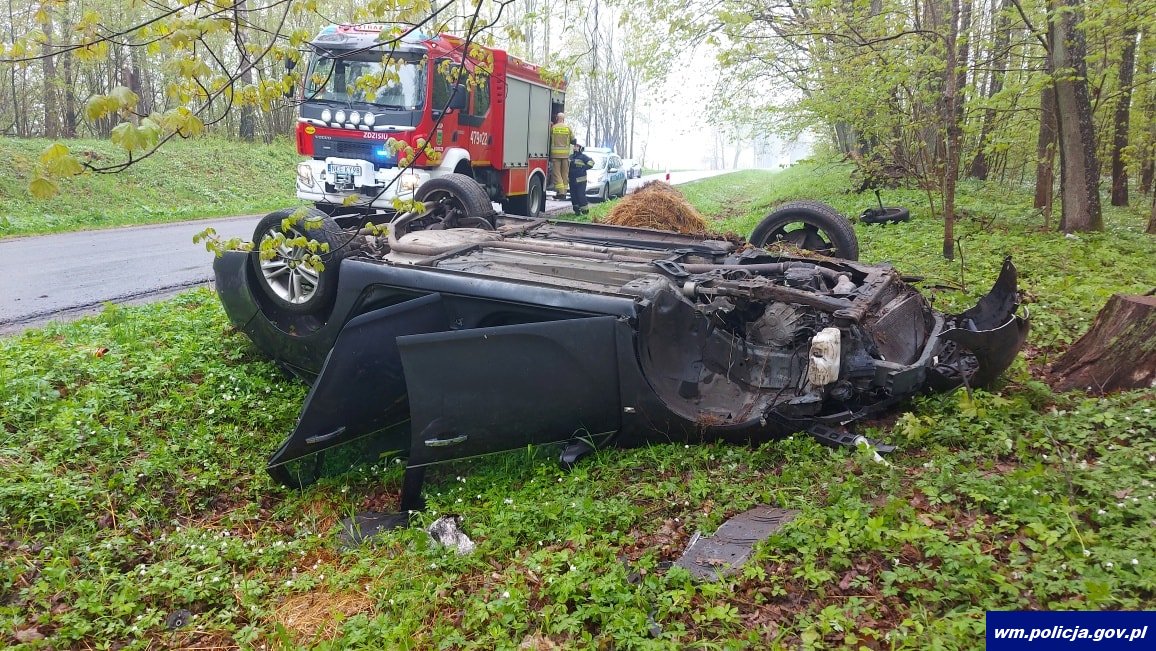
[529,204]
[811,225]
[284,279]
[460,192]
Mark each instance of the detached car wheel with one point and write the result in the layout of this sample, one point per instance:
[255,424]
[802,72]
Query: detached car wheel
[810,225]
[287,279]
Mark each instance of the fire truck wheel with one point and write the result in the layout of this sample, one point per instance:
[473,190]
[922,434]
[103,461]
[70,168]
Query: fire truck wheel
[810,225]
[287,279]
[529,204]
[460,198]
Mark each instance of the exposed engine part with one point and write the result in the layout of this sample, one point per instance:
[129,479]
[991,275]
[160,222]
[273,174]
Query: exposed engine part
[844,286]
[803,278]
[778,325]
[842,390]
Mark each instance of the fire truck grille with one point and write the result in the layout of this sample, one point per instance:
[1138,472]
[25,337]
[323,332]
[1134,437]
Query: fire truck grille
[370,151]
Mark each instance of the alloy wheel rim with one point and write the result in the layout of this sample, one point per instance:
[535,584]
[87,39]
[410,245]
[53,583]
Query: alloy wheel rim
[287,274]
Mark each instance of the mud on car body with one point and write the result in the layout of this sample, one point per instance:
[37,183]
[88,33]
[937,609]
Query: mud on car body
[438,343]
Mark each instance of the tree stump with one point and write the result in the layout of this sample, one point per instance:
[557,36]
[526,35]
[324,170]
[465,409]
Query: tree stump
[1118,352]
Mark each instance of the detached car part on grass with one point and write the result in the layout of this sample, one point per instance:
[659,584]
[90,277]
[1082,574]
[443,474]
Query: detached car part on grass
[447,343]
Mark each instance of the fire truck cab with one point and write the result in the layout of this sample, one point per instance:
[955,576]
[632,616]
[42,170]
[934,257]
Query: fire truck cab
[360,94]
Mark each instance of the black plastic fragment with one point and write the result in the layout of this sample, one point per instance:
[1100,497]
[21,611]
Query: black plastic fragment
[834,438]
[178,619]
[722,554]
[367,524]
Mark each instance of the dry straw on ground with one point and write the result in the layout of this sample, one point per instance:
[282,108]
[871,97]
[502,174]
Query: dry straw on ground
[317,616]
[657,205]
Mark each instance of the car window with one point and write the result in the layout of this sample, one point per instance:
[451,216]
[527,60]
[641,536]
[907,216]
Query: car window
[615,162]
[599,160]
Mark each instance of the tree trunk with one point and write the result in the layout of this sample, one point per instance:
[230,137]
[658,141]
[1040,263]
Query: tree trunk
[247,123]
[963,46]
[1046,152]
[1079,167]
[952,117]
[19,107]
[68,113]
[1151,230]
[1123,110]
[130,78]
[1116,353]
[51,112]
[1148,152]
[979,164]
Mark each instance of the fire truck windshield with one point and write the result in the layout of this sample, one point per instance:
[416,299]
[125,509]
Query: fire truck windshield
[361,77]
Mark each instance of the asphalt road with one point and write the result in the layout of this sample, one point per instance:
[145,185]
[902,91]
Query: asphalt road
[65,276]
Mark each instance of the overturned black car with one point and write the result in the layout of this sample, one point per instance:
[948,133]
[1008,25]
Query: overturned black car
[457,336]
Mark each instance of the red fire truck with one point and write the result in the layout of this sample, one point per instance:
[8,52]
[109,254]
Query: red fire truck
[495,129]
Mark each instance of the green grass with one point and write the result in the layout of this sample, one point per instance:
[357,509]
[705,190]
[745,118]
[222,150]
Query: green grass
[131,486]
[204,177]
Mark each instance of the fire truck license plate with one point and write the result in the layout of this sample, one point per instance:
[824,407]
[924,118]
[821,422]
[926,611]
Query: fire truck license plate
[345,170]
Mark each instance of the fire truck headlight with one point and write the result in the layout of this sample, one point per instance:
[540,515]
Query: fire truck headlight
[326,115]
[407,183]
[340,116]
[305,174]
[370,119]
[355,117]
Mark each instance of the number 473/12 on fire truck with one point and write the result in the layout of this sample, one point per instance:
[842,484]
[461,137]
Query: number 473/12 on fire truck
[495,129]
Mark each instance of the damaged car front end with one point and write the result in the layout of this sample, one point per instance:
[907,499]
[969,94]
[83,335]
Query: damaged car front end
[446,344]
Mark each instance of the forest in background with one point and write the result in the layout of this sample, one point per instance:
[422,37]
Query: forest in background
[80,68]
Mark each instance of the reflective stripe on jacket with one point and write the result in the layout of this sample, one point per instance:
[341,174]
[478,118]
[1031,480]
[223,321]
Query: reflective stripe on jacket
[579,163]
[560,137]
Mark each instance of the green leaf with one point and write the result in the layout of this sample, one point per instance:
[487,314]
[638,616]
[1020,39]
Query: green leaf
[124,97]
[187,124]
[43,188]
[100,106]
[128,136]
[53,152]
[57,161]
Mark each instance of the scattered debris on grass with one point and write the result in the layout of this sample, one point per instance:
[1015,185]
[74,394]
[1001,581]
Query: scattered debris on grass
[723,554]
[447,531]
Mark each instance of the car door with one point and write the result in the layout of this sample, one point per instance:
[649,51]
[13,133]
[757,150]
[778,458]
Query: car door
[486,390]
[618,178]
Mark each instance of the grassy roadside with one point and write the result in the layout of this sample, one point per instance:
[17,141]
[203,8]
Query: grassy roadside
[131,448]
[205,177]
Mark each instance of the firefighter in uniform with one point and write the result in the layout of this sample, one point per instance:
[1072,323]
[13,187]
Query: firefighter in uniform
[560,138]
[579,163]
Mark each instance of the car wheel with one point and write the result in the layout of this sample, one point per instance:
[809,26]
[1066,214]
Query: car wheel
[461,202]
[530,204]
[285,277]
[810,225]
